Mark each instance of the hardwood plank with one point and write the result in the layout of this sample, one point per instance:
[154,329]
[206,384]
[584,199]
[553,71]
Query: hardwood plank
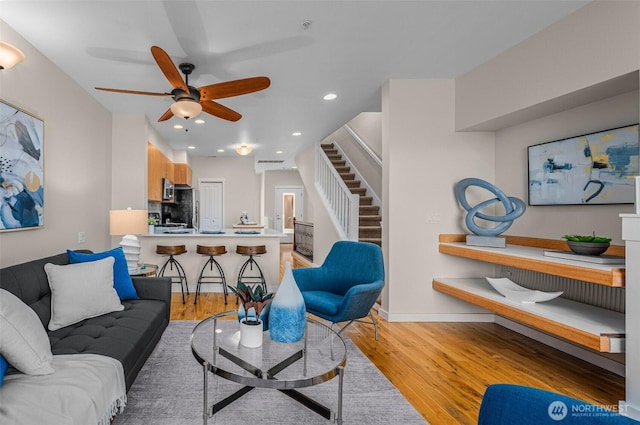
[444,368]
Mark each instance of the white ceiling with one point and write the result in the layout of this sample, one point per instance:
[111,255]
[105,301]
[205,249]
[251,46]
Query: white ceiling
[351,48]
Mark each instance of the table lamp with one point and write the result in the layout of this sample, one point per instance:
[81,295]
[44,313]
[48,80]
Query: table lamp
[129,223]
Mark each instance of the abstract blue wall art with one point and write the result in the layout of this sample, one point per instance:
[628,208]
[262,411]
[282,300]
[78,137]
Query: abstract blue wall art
[21,169]
[595,168]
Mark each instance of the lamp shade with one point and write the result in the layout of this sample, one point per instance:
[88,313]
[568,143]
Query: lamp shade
[9,55]
[244,150]
[186,108]
[128,222]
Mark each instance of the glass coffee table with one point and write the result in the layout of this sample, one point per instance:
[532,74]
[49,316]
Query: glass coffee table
[319,357]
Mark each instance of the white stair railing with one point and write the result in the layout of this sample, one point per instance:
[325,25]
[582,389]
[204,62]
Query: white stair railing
[343,206]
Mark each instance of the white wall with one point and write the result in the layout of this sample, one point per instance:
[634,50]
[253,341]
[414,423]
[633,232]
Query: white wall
[554,70]
[275,178]
[511,169]
[77,158]
[241,184]
[423,157]
[368,125]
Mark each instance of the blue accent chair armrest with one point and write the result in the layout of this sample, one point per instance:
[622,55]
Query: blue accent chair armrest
[508,404]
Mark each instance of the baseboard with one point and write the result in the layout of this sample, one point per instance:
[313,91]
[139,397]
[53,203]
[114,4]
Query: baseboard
[204,288]
[578,352]
[629,411]
[453,317]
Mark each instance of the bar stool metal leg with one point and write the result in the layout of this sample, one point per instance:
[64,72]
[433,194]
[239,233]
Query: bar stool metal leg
[172,262]
[211,252]
[212,279]
[259,279]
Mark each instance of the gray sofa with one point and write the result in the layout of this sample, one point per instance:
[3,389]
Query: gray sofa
[129,335]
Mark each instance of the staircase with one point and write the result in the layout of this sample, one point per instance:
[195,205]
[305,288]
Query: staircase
[369,229]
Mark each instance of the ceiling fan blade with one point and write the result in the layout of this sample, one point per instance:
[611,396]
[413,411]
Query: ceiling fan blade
[166,115]
[168,68]
[219,110]
[146,93]
[234,88]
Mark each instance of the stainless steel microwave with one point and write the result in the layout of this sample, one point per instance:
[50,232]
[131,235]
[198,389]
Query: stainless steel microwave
[167,189]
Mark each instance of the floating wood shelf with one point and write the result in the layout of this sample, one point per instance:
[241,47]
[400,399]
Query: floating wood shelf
[528,254]
[593,327]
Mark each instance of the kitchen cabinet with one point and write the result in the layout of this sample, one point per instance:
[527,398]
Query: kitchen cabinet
[596,328]
[182,174]
[158,167]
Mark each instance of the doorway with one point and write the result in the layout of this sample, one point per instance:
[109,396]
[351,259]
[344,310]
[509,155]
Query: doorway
[211,205]
[289,205]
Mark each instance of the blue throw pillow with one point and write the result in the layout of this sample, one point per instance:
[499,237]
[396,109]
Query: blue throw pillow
[121,279]
[3,368]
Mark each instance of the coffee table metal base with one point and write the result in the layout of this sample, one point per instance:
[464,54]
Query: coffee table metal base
[320,409]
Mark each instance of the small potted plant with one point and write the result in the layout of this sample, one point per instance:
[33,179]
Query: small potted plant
[253,312]
[152,223]
[587,244]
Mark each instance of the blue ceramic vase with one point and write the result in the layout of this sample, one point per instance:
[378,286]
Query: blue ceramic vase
[288,315]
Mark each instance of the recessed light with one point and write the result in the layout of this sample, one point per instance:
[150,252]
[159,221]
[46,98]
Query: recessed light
[294,166]
[220,150]
[330,96]
[199,121]
[178,126]
[279,152]
[297,133]
[191,147]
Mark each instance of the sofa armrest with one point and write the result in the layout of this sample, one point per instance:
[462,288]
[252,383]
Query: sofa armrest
[153,288]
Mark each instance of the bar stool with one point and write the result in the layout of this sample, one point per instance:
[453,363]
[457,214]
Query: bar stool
[181,277]
[211,251]
[247,279]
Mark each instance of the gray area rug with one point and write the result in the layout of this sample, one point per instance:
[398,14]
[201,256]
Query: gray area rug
[168,391]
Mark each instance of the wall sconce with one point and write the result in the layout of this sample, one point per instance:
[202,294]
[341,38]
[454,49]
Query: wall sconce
[9,55]
[129,223]
[244,150]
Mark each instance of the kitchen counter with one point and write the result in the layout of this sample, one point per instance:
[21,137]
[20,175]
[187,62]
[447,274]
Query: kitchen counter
[254,232]
[231,262]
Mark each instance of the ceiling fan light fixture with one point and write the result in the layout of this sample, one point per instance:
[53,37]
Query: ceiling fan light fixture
[186,108]
[244,150]
[9,55]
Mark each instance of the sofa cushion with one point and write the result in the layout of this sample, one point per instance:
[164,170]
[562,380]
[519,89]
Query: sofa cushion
[23,339]
[80,291]
[121,278]
[128,335]
[3,368]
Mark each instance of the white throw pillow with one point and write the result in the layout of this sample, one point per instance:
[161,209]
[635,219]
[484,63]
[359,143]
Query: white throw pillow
[23,340]
[81,291]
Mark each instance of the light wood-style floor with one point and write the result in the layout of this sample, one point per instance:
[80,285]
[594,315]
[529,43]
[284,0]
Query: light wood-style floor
[444,368]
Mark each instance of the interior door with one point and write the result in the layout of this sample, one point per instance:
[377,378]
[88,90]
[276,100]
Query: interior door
[289,204]
[211,205]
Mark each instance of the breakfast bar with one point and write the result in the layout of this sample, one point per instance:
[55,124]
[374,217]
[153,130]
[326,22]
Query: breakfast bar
[230,262]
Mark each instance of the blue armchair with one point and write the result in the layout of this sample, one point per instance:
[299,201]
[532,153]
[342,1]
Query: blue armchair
[346,286]
[507,404]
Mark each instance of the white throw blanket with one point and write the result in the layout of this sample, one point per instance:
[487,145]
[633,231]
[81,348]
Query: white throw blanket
[85,389]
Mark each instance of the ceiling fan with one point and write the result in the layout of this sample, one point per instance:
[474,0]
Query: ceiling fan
[190,101]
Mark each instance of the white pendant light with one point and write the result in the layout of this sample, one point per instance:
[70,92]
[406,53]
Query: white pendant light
[244,150]
[9,55]
[186,108]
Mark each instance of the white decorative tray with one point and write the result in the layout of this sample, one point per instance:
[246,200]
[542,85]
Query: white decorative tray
[515,292]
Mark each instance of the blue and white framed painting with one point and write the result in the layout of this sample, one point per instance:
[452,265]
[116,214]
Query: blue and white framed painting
[21,169]
[595,168]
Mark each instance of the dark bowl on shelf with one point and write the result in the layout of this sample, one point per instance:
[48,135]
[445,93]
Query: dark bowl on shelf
[588,248]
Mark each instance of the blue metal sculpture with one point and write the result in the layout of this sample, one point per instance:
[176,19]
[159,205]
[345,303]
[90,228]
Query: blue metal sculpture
[513,207]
